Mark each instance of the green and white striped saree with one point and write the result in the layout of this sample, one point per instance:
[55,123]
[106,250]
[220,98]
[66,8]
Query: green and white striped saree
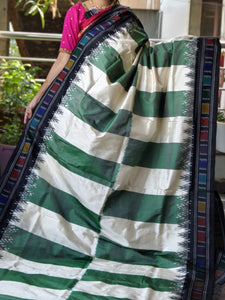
[109,194]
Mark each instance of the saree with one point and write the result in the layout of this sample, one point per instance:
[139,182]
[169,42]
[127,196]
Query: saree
[110,192]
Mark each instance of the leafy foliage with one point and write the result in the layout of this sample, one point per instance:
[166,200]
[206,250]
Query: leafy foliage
[18,87]
[34,7]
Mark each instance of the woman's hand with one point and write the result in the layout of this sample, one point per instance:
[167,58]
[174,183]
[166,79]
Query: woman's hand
[56,68]
[28,111]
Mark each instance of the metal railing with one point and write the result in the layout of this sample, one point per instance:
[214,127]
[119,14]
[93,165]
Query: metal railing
[38,36]
[19,35]
[54,37]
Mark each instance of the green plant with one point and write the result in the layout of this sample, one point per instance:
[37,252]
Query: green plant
[33,7]
[220,116]
[18,87]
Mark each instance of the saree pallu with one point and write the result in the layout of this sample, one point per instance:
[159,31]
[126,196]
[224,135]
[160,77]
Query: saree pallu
[110,192]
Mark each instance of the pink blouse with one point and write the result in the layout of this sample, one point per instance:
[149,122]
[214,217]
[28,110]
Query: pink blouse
[71,28]
[74,23]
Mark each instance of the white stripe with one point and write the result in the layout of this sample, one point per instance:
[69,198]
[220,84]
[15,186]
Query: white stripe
[26,291]
[15,263]
[150,181]
[96,84]
[127,53]
[140,235]
[159,130]
[156,130]
[55,228]
[69,128]
[163,79]
[120,291]
[91,194]
[123,268]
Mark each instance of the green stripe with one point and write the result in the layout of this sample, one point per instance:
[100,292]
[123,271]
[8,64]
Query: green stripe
[111,64]
[182,50]
[155,155]
[129,79]
[64,204]
[143,208]
[34,248]
[38,280]
[108,60]
[86,296]
[137,33]
[96,114]
[81,163]
[109,250]
[135,281]
[160,105]
[166,54]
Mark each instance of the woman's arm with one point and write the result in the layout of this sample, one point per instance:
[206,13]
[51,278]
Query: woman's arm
[56,68]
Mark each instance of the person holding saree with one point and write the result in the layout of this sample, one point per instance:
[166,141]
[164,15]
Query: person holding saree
[110,191]
[75,23]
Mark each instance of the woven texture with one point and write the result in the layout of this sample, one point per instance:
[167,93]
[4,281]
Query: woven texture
[104,209]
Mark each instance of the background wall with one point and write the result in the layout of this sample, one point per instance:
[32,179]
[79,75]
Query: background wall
[151,20]
[222,33]
[175,18]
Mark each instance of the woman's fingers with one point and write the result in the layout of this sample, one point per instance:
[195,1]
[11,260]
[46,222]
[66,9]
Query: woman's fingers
[28,114]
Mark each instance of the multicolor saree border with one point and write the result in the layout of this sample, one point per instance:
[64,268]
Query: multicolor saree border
[201,266]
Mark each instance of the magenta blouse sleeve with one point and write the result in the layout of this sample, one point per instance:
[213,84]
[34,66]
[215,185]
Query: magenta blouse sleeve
[70,30]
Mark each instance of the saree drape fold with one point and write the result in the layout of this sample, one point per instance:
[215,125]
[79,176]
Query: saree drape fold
[110,192]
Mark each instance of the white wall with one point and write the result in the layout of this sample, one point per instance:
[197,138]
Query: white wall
[175,18]
[150,19]
[223,22]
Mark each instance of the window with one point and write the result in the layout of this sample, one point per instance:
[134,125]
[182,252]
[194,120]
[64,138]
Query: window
[211,17]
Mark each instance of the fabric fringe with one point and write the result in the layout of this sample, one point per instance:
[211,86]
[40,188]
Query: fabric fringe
[187,164]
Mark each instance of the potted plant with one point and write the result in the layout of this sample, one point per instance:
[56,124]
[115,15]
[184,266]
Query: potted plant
[18,87]
[220,135]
